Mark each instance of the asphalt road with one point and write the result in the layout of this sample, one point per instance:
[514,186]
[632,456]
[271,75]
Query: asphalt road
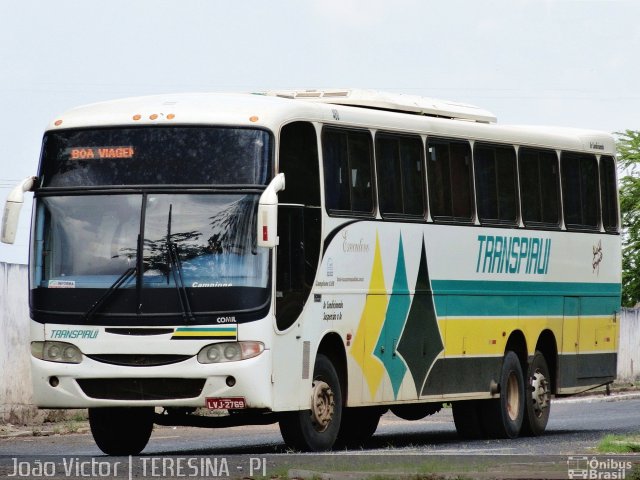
[575,428]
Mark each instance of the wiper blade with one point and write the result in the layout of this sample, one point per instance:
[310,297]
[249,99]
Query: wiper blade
[176,270]
[121,280]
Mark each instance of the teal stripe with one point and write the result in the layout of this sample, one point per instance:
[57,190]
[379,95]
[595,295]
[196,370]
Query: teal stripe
[490,287]
[496,305]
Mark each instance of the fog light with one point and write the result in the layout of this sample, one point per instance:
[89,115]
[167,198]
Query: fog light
[54,381]
[231,381]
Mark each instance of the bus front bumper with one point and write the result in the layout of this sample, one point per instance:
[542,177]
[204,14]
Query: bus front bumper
[242,384]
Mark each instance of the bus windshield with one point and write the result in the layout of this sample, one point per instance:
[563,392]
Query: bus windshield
[85,243]
[130,227]
[156,156]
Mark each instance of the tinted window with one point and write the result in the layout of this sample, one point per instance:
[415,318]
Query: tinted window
[495,169]
[299,162]
[347,170]
[539,187]
[450,186]
[156,156]
[608,194]
[400,172]
[580,190]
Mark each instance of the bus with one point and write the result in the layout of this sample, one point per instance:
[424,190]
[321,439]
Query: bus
[316,258]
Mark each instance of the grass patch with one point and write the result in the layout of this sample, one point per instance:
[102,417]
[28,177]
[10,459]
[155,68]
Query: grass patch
[619,444]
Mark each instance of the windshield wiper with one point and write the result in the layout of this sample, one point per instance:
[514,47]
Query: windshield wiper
[121,280]
[176,269]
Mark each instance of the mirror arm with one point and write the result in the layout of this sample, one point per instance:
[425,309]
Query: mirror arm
[12,208]
[268,213]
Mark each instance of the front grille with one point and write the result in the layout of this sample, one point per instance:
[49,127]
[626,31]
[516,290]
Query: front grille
[138,360]
[141,388]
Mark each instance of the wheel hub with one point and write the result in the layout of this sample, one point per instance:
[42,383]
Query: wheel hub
[513,397]
[322,405]
[539,393]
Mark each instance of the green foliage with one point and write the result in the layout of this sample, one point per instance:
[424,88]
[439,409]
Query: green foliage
[628,145]
[619,444]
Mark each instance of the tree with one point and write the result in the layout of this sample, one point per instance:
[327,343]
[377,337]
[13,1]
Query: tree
[628,144]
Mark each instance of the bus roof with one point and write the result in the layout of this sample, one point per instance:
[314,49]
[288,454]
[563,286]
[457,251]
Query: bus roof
[357,108]
[394,102]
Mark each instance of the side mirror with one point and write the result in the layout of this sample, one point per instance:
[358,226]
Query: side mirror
[268,213]
[12,208]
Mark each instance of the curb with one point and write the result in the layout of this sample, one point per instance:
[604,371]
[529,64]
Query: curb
[614,397]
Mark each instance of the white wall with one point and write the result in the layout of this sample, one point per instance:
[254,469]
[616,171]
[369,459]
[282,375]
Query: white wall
[629,345]
[15,375]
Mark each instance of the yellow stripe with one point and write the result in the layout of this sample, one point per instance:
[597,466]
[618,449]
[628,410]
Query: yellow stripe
[489,335]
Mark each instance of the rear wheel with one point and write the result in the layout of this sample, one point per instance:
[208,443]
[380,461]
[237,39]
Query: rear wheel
[502,417]
[316,429]
[121,431]
[537,396]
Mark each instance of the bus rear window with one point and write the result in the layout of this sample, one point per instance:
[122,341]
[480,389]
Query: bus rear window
[156,156]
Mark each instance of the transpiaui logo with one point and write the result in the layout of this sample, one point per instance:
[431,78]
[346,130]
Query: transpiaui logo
[587,468]
[514,255]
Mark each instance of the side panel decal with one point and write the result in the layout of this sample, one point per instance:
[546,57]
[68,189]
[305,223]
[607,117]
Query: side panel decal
[393,323]
[370,326]
[421,342]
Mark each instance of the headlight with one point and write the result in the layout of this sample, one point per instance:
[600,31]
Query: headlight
[61,352]
[230,352]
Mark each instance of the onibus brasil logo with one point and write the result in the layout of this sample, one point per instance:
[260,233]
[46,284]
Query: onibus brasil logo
[583,467]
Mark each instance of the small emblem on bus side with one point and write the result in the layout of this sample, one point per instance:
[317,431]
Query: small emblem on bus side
[597,257]
[231,319]
[336,115]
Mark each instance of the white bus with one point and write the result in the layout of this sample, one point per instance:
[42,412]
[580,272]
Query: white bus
[316,258]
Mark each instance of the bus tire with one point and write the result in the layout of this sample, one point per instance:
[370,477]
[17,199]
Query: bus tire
[466,416]
[316,430]
[537,396]
[358,425]
[120,430]
[502,417]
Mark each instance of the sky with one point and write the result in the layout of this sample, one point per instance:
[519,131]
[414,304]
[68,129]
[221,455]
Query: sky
[571,63]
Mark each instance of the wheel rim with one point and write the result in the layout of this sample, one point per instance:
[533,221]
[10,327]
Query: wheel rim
[513,397]
[322,405]
[539,393]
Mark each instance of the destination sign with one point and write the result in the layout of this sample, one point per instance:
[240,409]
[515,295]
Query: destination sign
[91,153]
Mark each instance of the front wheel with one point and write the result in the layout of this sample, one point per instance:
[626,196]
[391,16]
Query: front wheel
[502,417]
[537,397]
[121,431]
[316,430]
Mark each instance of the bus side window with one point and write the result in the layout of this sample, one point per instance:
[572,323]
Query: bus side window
[299,163]
[450,186]
[290,285]
[347,171]
[399,162]
[495,170]
[580,191]
[608,194]
[299,230]
[539,187]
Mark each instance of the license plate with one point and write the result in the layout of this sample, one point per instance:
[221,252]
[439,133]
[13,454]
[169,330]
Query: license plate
[231,403]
